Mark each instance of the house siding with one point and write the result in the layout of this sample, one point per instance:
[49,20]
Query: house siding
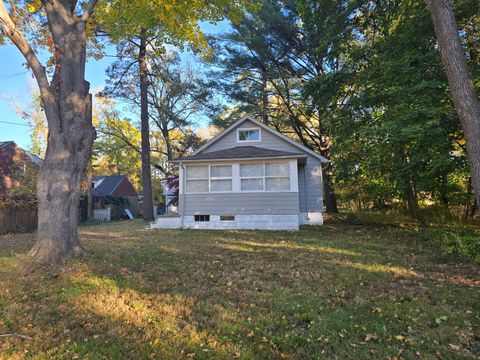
[314,185]
[268,141]
[244,203]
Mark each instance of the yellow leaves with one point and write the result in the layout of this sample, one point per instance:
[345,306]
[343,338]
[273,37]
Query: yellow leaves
[31,8]
[400,337]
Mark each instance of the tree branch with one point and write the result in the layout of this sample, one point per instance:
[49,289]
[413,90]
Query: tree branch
[89,10]
[7,26]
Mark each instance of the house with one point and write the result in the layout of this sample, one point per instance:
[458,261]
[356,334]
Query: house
[18,167]
[249,177]
[107,188]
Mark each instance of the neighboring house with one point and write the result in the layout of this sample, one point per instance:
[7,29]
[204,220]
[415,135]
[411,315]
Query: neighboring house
[114,186]
[18,167]
[249,177]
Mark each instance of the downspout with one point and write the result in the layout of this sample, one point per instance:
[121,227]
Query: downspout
[183,195]
[305,187]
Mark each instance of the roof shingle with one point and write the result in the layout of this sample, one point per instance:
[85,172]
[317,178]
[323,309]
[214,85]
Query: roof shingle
[240,152]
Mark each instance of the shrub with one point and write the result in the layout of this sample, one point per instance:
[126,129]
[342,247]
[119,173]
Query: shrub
[462,240]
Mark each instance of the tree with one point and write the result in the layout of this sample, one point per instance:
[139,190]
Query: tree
[460,81]
[155,24]
[67,104]
[277,56]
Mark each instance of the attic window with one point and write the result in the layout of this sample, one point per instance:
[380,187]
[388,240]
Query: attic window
[248,135]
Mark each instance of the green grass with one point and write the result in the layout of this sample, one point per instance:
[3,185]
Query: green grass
[337,291]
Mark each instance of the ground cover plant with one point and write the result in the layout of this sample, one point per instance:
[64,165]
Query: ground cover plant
[339,291]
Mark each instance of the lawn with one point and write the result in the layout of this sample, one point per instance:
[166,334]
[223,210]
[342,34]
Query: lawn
[337,291]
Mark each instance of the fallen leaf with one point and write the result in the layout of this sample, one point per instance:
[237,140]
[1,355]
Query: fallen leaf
[455,347]
[371,337]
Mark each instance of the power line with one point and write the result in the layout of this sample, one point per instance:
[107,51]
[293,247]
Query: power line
[14,75]
[11,123]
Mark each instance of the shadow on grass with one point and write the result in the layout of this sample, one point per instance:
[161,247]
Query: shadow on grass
[201,294]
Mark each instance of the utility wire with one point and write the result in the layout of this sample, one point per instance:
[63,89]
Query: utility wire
[12,123]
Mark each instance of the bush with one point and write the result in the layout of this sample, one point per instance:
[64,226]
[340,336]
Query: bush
[463,241]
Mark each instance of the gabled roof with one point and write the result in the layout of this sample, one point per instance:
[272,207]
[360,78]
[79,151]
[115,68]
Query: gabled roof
[108,184]
[4,143]
[263,126]
[33,158]
[240,152]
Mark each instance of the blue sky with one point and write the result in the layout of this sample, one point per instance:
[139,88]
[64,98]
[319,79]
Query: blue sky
[16,82]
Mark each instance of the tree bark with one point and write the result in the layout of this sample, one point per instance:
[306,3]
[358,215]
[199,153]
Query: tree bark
[329,190]
[460,82]
[145,130]
[412,202]
[67,104]
[69,146]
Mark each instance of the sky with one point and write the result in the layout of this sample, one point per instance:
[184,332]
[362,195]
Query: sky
[15,87]
[16,84]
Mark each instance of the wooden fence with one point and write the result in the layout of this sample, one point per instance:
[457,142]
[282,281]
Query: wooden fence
[13,220]
[102,214]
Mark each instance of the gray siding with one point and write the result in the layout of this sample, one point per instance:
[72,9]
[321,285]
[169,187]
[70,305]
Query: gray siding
[268,141]
[310,185]
[258,203]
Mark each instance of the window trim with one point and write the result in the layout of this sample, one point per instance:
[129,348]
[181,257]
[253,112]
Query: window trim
[249,141]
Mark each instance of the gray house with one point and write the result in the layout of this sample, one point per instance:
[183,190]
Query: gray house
[248,177]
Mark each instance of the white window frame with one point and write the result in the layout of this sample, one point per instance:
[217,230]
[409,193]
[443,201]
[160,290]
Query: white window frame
[187,179]
[276,176]
[237,179]
[252,177]
[210,178]
[264,177]
[249,129]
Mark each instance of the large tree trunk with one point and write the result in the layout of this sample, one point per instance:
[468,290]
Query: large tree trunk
[69,146]
[329,190]
[463,91]
[146,169]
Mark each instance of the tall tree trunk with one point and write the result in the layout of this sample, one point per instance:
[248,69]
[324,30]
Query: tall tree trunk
[412,202]
[264,98]
[69,145]
[145,131]
[461,84]
[329,190]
